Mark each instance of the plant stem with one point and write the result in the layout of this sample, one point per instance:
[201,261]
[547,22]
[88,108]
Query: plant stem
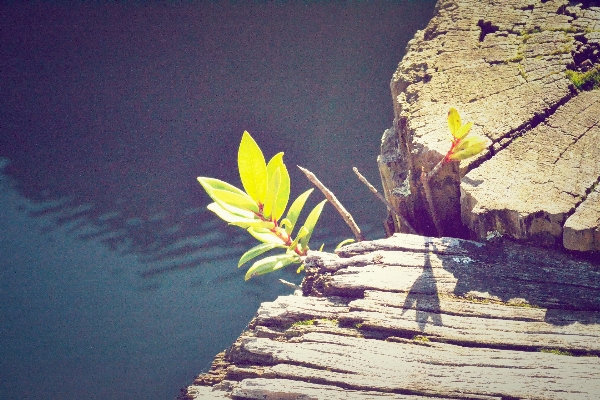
[335,202]
[432,211]
[380,197]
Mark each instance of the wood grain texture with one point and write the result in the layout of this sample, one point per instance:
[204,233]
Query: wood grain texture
[505,66]
[461,320]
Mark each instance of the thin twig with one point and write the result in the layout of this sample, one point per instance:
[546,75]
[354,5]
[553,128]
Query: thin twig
[383,199]
[432,211]
[435,169]
[331,197]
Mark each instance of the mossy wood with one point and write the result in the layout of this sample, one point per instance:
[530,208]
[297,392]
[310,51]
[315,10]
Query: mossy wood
[419,317]
[526,73]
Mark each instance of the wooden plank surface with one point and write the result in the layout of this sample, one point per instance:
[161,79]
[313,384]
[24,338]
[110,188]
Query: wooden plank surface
[413,317]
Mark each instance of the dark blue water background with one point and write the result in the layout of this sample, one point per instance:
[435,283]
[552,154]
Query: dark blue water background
[115,282]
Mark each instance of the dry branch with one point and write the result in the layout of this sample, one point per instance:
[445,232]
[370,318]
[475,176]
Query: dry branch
[336,203]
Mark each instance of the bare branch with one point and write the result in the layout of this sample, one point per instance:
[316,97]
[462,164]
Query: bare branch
[383,199]
[335,202]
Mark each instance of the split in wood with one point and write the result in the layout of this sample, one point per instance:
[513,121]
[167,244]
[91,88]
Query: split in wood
[432,211]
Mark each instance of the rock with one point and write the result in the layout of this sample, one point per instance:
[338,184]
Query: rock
[510,67]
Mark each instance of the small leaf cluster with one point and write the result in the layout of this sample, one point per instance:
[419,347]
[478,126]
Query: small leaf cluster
[260,207]
[463,145]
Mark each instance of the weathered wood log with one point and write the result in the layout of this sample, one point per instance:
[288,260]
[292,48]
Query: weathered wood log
[416,317]
[505,66]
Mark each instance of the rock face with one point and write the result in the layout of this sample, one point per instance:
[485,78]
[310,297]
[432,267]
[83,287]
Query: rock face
[518,70]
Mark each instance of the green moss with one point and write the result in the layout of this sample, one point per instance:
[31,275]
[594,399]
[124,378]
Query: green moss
[420,338]
[305,322]
[585,80]
[517,58]
[320,321]
[358,325]
[557,352]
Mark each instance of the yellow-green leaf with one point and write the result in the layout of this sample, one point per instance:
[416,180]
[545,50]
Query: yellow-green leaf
[270,264]
[301,233]
[234,199]
[283,195]
[310,223]
[252,168]
[469,147]
[454,121]
[211,183]
[229,214]
[272,193]
[256,223]
[344,242]
[295,209]
[265,235]
[256,251]
[464,130]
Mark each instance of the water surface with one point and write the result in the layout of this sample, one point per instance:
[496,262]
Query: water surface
[114,279]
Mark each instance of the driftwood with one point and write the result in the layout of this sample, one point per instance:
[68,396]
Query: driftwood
[419,317]
[506,66]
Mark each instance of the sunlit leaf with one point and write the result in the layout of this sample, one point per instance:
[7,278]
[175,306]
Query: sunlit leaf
[254,223]
[234,199]
[295,209]
[463,131]
[226,214]
[265,235]
[344,242]
[285,224]
[300,268]
[468,147]
[310,223]
[283,195]
[272,192]
[270,264]
[256,251]
[252,168]
[454,122]
[212,183]
[301,233]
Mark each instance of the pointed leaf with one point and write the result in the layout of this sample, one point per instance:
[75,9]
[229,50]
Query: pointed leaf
[295,209]
[252,168]
[255,252]
[283,195]
[454,121]
[270,264]
[265,235]
[272,193]
[310,223]
[255,223]
[469,147]
[464,130]
[212,183]
[303,232]
[226,214]
[344,242]
[234,199]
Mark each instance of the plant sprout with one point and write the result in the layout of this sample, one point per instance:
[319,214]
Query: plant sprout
[463,146]
[259,209]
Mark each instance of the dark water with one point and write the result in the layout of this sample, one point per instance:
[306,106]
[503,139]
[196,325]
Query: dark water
[115,282]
